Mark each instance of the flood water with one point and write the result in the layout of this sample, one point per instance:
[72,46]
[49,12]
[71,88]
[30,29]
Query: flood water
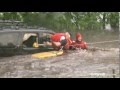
[73,64]
[92,63]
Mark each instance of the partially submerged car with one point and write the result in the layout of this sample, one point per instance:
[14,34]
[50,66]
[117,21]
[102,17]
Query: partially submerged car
[22,41]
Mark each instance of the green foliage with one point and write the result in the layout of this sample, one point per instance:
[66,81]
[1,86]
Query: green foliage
[66,21]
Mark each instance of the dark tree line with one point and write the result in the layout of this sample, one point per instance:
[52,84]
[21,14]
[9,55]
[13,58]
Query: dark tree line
[66,20]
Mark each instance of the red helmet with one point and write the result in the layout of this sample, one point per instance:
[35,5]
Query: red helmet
[78,35]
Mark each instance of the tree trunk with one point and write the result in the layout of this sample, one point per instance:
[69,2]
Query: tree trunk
[104,17]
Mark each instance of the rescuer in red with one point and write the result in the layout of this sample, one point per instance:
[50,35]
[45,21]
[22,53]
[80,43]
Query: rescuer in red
[61,40]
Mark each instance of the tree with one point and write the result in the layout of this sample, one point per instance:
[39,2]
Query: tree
[66,21]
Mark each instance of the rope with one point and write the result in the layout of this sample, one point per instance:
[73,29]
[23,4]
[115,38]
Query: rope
[104,42]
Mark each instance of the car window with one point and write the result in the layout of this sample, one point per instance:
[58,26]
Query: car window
[44,37]
[9,39]
[29,39]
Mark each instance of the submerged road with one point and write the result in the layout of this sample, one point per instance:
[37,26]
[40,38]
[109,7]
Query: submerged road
[74,64]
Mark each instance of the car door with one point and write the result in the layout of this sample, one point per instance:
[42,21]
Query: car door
[36,37]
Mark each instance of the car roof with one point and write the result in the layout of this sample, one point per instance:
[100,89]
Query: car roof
[27,30]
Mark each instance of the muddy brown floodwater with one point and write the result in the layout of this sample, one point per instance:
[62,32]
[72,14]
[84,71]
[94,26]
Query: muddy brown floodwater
[74,64]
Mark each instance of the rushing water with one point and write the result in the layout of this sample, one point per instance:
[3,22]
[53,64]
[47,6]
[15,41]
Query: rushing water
[78,63]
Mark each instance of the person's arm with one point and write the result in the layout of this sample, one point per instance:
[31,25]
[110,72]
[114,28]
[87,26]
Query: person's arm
[36,45]
[56,44]
[48,43]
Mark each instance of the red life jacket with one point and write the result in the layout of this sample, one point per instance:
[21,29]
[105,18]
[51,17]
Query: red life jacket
[69,42]
[56,37]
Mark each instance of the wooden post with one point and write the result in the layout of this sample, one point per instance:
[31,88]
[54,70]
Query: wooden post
[113,71]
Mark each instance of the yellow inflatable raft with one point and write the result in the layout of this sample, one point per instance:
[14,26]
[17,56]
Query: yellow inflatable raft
[42,55]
